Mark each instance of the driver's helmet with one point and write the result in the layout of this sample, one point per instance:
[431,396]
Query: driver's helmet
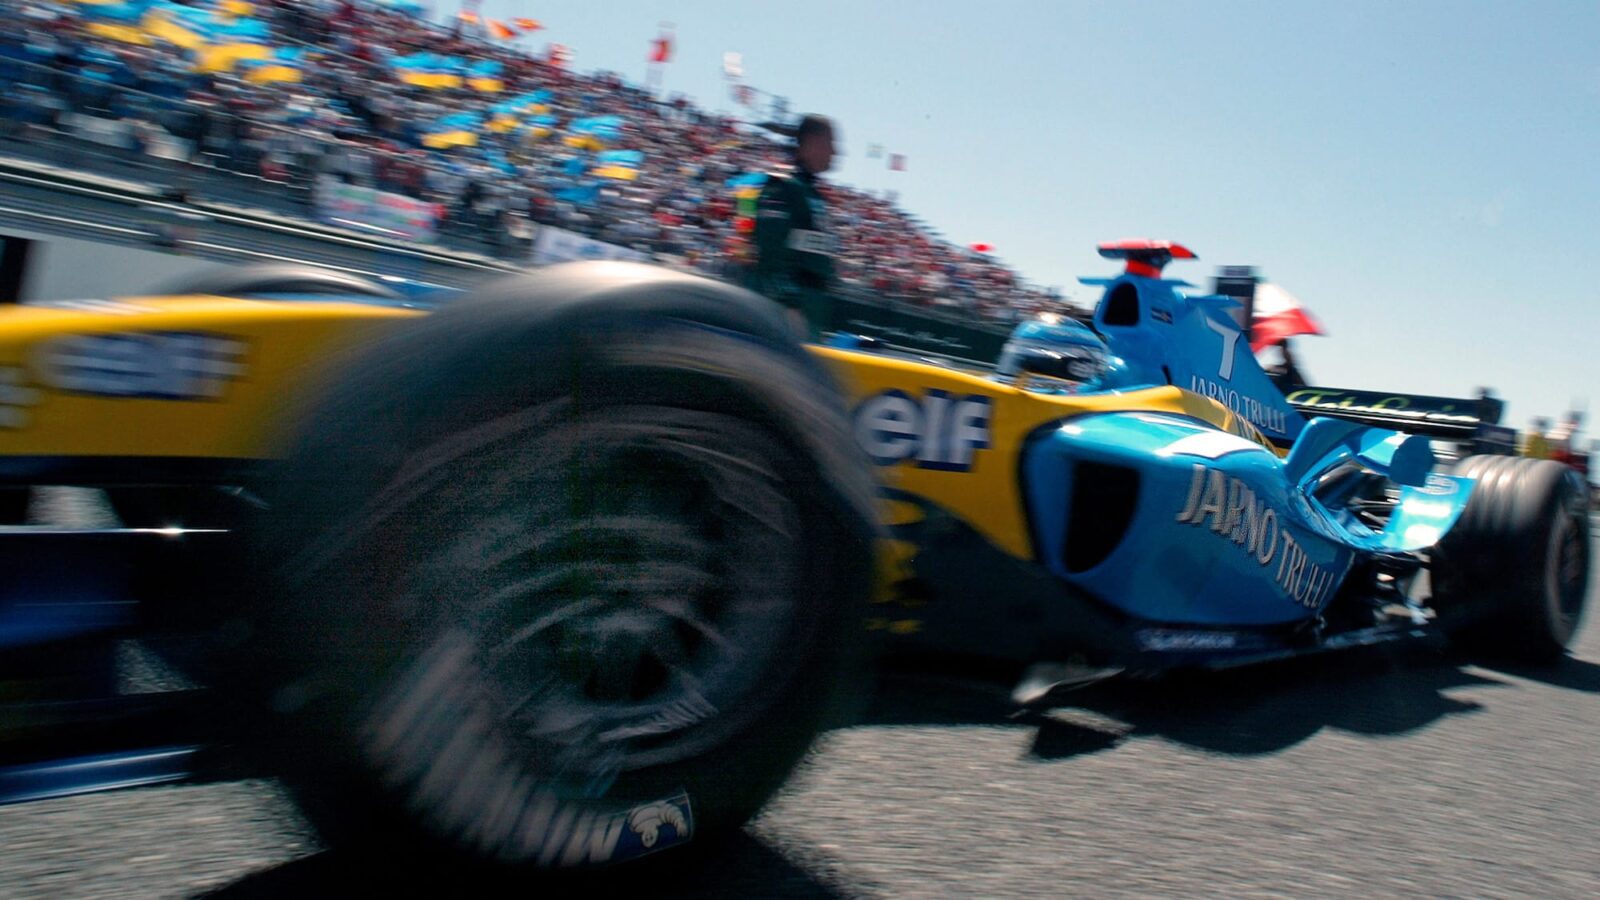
[1056,348]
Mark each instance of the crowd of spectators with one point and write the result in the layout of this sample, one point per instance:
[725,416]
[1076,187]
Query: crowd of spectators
[349,118]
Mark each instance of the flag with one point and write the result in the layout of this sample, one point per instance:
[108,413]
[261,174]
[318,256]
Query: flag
[526,24]
[594,132]
[621,165]
[234,42]
[633,158]
[510,114]
[581,194]
[428,70]
[501,30]
[874,151]
[124,33]
[620,173]
[468,16]
[285,67]
[897,162]
[1278,315]
[733,64]
[661,49]
[117,22]
[457,130]
[171,23]
[557,55]
[484,76]
[542,126]
[126,11]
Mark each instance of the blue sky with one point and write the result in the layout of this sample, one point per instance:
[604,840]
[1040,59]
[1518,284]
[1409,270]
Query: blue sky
[1424,175]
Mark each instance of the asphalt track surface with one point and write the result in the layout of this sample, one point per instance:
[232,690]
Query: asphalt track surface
[1395,773]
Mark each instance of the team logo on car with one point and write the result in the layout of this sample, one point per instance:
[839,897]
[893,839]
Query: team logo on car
[1229,508]
[571,836]
[667,817]
[165,365]
[938,431]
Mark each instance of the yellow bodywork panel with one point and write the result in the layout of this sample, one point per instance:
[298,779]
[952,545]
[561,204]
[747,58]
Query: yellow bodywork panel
[987,492]
[217,377]
[167,376]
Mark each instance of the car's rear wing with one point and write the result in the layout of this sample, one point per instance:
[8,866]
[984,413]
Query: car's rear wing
[1447,418]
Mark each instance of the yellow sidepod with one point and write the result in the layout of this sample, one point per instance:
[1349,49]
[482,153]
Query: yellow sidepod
[209,377]
[980,483]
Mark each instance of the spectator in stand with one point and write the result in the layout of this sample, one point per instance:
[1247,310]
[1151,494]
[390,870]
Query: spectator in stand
[349,118]
[1534,443]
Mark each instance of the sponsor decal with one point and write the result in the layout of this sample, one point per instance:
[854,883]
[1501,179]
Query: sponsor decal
[1254,411]
[576,837]
[1230,509]
[1441,410]
[1439,486]
[163,365]
[1160,315]
[15,398]
[939,431]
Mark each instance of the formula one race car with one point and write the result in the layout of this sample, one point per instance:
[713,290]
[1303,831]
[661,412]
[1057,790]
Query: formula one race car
[565,573]
[1137,495]
[570,569]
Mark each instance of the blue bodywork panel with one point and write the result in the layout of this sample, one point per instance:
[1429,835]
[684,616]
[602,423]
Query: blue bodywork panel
[1197,535]
[1215,537]
[1164,336]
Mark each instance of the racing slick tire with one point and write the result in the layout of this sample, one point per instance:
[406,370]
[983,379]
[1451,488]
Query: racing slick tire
[1512,574]
[277,278]
[569,573]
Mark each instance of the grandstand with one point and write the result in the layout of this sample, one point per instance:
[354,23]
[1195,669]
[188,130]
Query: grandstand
[372,117]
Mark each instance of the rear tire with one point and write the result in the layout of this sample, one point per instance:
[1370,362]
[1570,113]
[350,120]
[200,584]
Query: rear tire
[1511,577]
[559,595]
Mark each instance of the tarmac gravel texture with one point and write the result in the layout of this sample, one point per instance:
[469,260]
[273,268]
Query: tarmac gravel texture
[1399,773]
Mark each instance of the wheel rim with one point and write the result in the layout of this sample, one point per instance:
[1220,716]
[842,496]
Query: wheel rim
[626,593]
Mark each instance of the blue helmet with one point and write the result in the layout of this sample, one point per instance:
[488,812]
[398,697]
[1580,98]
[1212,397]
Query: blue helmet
[1057,348]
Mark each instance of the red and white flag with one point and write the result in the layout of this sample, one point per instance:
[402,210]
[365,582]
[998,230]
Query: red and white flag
[1279,315]
[661,49]
[897,162]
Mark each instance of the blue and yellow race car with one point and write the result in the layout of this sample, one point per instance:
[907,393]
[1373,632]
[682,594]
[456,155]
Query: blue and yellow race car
[570,569]
[1135,494]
